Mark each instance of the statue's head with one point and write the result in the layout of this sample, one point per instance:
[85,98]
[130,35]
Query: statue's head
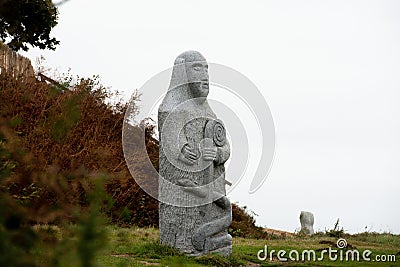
[189,83]
[196,69]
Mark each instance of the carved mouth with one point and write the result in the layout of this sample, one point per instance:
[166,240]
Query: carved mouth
[204,85]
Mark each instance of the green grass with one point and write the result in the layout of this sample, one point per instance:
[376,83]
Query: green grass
[140,247]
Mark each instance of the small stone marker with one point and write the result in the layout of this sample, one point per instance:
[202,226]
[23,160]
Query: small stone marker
[307,223]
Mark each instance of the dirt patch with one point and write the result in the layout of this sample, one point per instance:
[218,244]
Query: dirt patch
[278,232]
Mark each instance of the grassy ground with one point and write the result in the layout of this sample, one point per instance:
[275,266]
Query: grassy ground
[140,247]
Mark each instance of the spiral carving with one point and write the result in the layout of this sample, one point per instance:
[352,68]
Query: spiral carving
[219,134]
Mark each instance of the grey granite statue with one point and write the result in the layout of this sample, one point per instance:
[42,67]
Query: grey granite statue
[194,210]
[307,223]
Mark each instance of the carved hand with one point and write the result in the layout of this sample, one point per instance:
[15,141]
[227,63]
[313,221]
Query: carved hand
[209,153]
[190,186]
[187,155]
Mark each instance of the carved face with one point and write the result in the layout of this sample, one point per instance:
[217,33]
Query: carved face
[197,74]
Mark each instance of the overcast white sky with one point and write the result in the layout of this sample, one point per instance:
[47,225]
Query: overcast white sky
[329,71]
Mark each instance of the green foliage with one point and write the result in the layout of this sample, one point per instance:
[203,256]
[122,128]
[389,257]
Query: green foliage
[243,223]
[153,250]
[91,233]
[216,260]
[16,239]
[21,185]
[67,128]
[15,121]
[25,22]
[336,231]
[78,245]
[379,238]
[67,120]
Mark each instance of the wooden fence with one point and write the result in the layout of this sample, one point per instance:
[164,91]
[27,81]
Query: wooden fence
[14,65]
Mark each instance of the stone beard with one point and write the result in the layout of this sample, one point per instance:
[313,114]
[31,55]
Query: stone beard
[194,210]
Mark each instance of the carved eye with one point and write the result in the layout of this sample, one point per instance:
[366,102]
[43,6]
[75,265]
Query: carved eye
[197,68]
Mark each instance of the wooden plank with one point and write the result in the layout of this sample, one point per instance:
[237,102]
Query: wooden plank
[15,65]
